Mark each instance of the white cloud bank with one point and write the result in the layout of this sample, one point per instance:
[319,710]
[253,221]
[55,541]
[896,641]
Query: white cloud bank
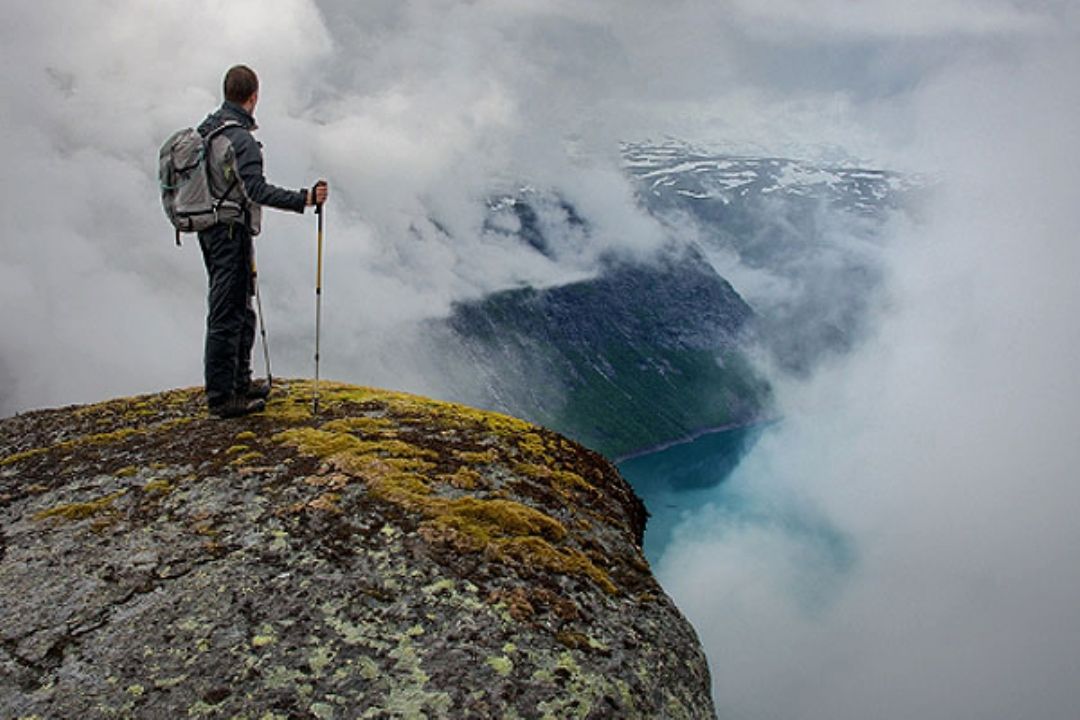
[904,545]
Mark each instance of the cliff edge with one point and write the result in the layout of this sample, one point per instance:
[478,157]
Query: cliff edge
[395,558]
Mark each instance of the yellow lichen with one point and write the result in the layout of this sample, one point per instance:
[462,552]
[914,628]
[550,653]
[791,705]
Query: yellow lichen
[159,486]
[363,424]
[263,640]
[317,442]
[487,520]
[245,458]
[464,478]
[245,436]
[371,448]
[487,457]
[351,454]
[107,437]
[533,445]
[24,455]
[126,472]
[560,479]
[537,551]
[291,408]
[104,438]
[501,664]
[78,511]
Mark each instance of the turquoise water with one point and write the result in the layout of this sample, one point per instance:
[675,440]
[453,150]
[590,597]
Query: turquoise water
[681,478]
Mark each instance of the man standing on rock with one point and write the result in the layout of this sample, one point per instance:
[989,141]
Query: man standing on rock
[227,249]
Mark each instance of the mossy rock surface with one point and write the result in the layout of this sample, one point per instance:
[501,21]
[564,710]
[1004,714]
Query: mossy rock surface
[396,557]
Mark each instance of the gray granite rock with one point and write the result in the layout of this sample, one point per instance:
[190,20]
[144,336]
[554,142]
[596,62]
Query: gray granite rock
[394,558]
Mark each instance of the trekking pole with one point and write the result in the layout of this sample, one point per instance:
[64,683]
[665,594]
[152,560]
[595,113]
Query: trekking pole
[318,308]
[262,321]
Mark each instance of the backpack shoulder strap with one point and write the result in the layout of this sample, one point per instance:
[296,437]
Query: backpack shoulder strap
[219,129]
[235,183]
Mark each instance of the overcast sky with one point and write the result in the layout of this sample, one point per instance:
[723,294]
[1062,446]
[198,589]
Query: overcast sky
[909,545]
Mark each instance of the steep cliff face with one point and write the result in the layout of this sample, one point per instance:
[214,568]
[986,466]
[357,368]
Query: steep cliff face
[395,558]
[638,355]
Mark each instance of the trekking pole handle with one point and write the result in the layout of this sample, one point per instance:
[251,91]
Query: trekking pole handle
[314,196]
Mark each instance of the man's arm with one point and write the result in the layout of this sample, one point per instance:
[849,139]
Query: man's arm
[249,162]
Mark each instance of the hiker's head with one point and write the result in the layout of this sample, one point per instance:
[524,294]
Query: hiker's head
[241,85]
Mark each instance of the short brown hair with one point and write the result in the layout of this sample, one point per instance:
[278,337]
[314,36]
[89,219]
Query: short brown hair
[241,83]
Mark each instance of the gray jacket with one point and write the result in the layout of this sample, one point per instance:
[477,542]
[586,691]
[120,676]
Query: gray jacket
[246,161]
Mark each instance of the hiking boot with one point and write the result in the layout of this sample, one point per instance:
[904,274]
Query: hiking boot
[237,406]
[257,390]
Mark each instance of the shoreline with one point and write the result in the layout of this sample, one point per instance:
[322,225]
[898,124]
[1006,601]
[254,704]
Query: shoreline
[694,435]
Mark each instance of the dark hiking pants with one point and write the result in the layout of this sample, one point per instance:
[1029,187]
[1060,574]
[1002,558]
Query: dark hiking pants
[230,319]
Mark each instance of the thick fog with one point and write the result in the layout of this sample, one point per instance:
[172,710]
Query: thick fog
[899,546]
[902,544]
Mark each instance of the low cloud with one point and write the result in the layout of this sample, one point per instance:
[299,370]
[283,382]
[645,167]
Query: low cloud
[903,544]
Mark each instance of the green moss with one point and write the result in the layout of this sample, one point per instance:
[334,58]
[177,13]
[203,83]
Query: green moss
[107,437]
[464,478]
[537,552]
[126,472]
[79,511]
[317,442]
[487,520]
[159,486]
[559,479]
[245,458]
[363,424]
[24,455]
[289,409]
[245,436]
[402,473]
[533,446]
[403,406]
[394,485]
[94,439]
[487,457]
[328,443]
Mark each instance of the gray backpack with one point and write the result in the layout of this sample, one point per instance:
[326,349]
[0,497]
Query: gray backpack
[192,169]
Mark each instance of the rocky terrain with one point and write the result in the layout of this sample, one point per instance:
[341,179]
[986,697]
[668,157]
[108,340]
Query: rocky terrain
[395,557]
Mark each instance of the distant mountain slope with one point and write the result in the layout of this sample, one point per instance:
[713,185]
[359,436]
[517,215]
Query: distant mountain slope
[800,241]
[770,252]
[638,355]
[672,173]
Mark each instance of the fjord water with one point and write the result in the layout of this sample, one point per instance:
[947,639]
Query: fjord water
[682,477]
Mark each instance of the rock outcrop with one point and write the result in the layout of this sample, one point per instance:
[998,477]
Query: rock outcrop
[396,557]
